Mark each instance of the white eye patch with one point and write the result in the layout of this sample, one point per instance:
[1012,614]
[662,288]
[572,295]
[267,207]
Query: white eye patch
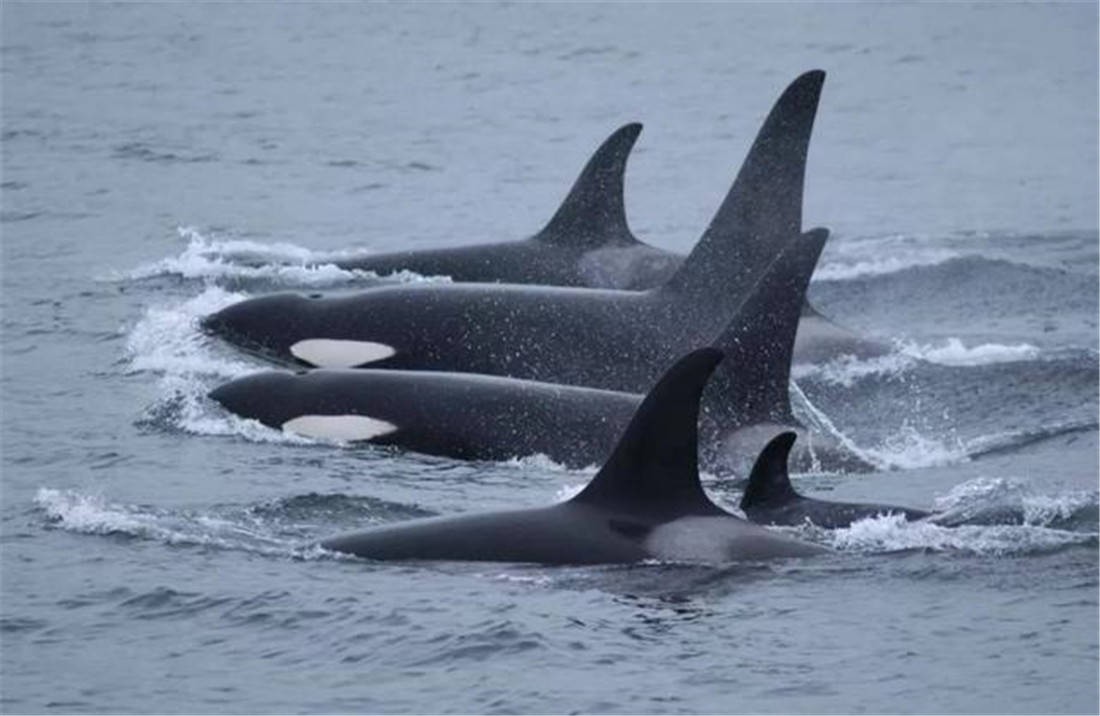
[344,428]
[334,353]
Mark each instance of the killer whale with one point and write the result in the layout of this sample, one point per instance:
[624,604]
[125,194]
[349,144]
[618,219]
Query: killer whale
[481,417]
[614,340]
[586,243]
[646,502]
[770,499]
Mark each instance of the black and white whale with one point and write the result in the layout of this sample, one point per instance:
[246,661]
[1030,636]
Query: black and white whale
[646,502]
[481,417]
[614,340]
[770,499]
[586,243]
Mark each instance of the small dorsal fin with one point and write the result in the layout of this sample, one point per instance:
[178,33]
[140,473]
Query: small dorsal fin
[764,206]
[753,383]
[769,482]
[593,214]
[654,469]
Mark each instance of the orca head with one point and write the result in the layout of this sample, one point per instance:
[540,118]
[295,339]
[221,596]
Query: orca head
[324,405]
[266,325]
[259,396]
[291,328]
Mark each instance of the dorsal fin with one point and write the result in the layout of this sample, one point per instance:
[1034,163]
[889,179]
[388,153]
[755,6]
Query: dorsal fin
[655,466]
[593,214]
[769,482]
[753,383]
[764,205]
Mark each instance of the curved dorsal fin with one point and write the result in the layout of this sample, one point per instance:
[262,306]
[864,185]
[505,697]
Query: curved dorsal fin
[753,383]
[769,482]
[593,214]
[764,206]
[655,466]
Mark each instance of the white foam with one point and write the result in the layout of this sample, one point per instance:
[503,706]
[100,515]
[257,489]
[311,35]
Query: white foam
[335,353]
[988,494]
[568,492]
[167,339]
[908,449]
[889,533]
[846,370]
[898,259]
[92,514]
[953,353]
[542,462]
[287,264]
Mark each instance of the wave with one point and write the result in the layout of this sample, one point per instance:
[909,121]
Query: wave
[984,516]
[837,269]
[168,340]
[847,370]
[1012,439]
[850,258]
[893,533]
[92,514]
[952,352]
[987,500]
[236,261]
[287,527]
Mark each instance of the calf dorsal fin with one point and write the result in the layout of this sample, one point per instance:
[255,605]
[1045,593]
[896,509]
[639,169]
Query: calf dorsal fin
[769,481]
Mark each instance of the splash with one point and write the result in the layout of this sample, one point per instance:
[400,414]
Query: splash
[168,340]
[892,533]
[847,370]
[92,514]
[954,353]
[542,463]
[568,492]
[280,264]
[908,449]
[898,260]
[1007,501]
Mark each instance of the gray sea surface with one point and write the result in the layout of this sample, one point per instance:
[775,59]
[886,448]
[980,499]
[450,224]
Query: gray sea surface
[161,161]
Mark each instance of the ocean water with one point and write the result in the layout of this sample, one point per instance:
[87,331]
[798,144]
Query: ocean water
[161,161]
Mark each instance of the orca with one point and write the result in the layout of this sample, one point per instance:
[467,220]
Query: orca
[482,417]
[646,502]
[586,243]
[770,499]
[613,340]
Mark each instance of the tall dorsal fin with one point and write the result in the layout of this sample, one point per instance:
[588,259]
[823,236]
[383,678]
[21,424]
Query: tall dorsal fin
[753,383]
[593,214]
[764,205]
[655,466]
[769,482]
